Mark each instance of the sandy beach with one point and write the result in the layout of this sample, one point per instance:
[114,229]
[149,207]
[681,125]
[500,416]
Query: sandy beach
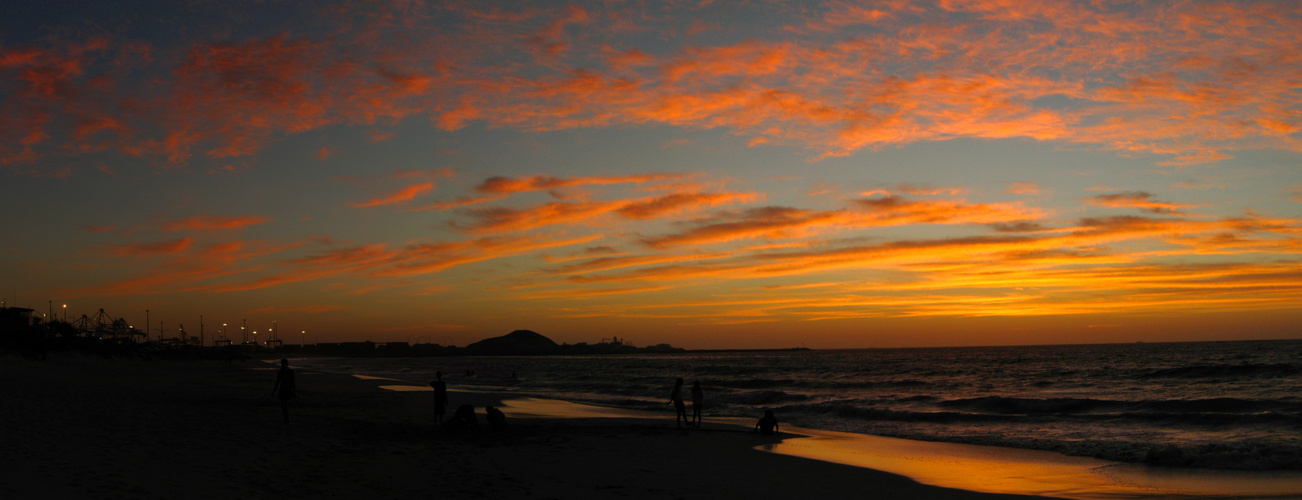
[86,427]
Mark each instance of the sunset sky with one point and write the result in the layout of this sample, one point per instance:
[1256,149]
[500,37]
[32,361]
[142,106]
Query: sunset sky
[706,174]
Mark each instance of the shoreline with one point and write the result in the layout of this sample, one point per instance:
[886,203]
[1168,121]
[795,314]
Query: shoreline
[978,468]
[88,427]
[167,428]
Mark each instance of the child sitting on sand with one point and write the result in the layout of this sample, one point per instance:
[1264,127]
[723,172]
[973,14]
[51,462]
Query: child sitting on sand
[464,417]
[768,425]
[495,417]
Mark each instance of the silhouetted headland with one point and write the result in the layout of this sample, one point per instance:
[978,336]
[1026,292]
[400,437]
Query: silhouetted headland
[23,334]
[516,343]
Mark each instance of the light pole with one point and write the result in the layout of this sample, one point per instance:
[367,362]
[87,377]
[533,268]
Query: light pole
[302,340]
[65,313]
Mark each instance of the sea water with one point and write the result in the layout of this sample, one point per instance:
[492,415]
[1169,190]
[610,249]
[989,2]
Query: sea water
[1230,405]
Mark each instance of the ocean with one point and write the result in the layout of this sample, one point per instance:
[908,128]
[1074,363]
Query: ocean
[1223,405]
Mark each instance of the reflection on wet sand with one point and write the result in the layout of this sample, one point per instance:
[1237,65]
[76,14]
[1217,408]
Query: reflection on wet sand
[978,468]
[1008,470]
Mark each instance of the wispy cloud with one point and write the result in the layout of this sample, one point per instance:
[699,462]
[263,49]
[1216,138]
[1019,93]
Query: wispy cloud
[1139,200]
[209,222]
[153,248]
[501,185]
[402,195]
[1109,77]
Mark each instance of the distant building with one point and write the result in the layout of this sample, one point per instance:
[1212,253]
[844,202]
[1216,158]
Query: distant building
[17,317]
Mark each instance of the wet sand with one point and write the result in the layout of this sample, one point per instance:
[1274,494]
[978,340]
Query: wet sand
[83,427]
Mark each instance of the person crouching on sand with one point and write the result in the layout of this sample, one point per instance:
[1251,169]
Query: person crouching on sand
[284,387]
[676,399]
[768,425]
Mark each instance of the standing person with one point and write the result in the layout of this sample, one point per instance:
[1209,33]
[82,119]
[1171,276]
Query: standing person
[698,402]
[284,387]
[440,398]
[676,399]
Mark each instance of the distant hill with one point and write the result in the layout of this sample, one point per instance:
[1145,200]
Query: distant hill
[519,342]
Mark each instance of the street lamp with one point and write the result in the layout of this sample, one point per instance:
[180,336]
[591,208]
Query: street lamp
[65,313]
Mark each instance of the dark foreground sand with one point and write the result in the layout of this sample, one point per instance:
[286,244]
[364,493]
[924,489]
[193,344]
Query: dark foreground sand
[84,427]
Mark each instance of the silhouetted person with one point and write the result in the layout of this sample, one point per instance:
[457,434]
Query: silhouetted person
[440,398]
[464,417]
[284,387]
[698,402]
[495,417]
[676,399]
[768,425]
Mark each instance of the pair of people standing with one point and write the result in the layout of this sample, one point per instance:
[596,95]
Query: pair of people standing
[698,402]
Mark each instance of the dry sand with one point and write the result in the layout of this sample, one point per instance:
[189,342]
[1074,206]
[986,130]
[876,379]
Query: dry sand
[84,427]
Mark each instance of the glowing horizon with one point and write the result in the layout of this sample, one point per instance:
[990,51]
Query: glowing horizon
[706,174]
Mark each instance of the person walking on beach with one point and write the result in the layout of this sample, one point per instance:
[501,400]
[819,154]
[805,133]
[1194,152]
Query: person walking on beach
[698,402]
[676,399]
[768,425]
[440,398]
[284,387]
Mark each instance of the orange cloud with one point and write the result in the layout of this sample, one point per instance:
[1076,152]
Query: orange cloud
[766,222]
[502,185]
[895,210]
[1030,188]
[459,202]
[207,222]
[786,222]
[379,135]
[1137,199]
[405,194]
[500,219]
[153,248]
[673,203]
[1117,77]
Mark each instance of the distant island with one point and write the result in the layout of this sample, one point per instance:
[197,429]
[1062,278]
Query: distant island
[528,342]
[516,343]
